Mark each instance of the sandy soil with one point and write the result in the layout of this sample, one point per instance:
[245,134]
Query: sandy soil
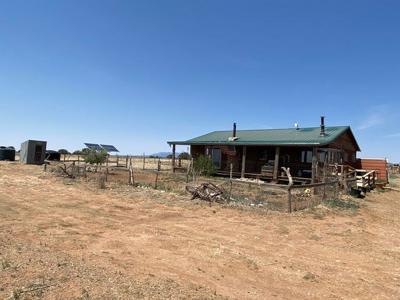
[62,239]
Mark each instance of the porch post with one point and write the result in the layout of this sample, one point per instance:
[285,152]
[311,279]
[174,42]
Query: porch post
[173,157]
[243,161]
[314,166]
[276,163]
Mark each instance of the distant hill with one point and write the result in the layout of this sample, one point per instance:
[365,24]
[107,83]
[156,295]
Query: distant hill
[162,154]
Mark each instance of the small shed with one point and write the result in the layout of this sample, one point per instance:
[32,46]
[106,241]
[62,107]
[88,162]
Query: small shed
[33,152]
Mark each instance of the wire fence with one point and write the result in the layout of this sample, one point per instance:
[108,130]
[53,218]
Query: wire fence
[236,192]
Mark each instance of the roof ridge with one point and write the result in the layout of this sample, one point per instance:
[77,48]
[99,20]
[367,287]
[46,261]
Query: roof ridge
[289,128]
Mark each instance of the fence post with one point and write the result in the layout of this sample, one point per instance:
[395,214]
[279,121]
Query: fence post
[193,171]
[126,162]
[289,176]
[155,184]
[159,165]
[231,171]
[131,179]
[188,171]
[144,161]
[230,189]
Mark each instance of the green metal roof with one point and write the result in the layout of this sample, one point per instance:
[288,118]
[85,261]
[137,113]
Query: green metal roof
[290,136]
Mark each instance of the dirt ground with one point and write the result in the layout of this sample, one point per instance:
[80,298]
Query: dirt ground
[63,239]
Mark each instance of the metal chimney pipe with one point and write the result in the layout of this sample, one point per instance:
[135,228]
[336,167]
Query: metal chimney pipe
[322,133]
[234,130]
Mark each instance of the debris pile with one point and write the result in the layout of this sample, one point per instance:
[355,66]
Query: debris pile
[207,192]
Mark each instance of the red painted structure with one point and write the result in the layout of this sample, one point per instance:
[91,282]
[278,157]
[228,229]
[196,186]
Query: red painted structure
[378,164]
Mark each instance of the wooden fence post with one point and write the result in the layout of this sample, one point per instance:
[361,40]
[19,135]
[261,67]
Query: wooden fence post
[126,162]
[131,178]
[155,184]
[193,170]
[289,176]
[159,165]
[144,161]
[188,171]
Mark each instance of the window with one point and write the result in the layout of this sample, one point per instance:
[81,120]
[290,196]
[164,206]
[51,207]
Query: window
[306,156]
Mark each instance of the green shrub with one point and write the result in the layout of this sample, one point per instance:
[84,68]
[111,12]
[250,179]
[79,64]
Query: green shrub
[94,157]
[203,165]
[84,151]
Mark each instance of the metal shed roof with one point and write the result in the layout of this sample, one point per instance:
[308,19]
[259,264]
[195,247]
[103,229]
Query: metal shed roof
[290,136]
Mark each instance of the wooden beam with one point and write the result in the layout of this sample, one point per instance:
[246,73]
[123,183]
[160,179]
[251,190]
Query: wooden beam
[314,166]
[276,164]
[243,161]
[173,157]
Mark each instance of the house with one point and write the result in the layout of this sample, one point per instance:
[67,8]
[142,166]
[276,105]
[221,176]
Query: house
[262,153]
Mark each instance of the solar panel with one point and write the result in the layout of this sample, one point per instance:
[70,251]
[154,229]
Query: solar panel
[109,148]
[93,146]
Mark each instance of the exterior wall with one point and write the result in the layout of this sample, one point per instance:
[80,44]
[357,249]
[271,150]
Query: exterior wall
[379,165]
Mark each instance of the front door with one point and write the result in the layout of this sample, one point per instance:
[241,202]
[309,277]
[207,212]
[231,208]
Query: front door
[38,153]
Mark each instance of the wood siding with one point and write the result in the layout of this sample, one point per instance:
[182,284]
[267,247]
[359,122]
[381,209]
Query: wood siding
[379,165]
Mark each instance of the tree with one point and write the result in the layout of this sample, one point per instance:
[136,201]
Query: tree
[81,152]
[184,155]
[64,151]
[94,157]
[203,165]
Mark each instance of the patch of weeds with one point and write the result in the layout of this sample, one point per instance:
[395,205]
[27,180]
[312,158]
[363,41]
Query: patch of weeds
[16,294]
[85,295]
[283,230]
[251,264]
[310,276]
[315,237]
[5,264]
[342,204]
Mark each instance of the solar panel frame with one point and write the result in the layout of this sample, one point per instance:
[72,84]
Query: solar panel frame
[93,146]
[109,148]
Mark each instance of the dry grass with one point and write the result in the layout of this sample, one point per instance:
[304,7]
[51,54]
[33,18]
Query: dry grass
[66,239]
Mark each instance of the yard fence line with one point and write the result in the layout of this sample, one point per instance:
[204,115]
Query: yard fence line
[156,173]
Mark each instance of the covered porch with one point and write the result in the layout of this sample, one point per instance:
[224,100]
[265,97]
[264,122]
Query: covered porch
[266,162]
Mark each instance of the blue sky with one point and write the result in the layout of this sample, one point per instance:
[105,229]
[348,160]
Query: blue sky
[138,73]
